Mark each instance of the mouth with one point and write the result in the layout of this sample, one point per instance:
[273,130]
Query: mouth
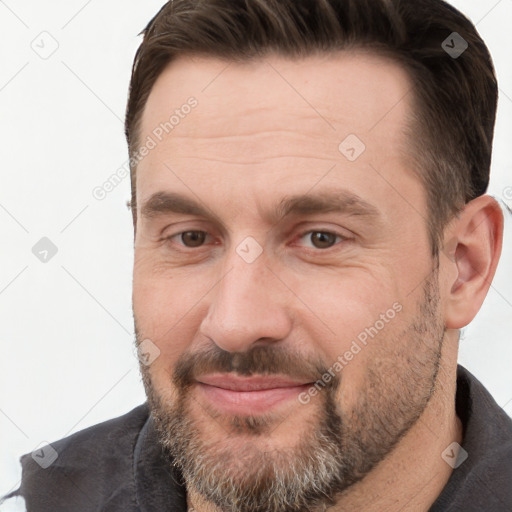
[249,395]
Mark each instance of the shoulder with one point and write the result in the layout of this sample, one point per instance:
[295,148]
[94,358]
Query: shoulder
[488,442]
[110,432]
[89,470]
[482,480]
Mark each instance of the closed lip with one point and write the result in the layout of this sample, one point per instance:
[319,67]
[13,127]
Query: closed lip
[252,383]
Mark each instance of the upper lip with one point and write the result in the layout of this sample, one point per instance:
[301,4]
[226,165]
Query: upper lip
[253,383]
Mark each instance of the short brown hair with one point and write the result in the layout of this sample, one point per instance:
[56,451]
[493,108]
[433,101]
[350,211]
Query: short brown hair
[452,129]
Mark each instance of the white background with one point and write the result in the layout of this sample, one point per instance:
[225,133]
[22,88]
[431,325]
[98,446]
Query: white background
[66,328]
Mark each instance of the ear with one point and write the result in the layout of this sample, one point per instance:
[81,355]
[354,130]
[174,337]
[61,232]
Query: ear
[473,246]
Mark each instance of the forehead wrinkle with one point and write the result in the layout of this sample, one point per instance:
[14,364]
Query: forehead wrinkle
[252,148]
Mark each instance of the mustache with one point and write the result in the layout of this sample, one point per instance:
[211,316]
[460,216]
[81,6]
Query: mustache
[261,360]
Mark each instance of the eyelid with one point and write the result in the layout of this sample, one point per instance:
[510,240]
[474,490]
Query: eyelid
[329,231]
[177,235]
[302,234]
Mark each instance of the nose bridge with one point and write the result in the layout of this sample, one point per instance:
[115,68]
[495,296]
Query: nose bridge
[247,305]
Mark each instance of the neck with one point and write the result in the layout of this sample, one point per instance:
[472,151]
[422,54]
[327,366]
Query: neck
[413,475]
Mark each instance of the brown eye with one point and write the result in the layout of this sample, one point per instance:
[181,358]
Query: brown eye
[193,238]
[323,239]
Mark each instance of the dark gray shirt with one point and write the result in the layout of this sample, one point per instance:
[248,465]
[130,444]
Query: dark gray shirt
[118,465]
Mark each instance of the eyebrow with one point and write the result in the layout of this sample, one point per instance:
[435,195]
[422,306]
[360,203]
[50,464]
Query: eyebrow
[341,201]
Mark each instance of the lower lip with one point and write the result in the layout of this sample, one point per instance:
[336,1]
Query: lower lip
[249,402]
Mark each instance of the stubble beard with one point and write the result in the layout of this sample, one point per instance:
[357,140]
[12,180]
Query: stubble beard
[340,448]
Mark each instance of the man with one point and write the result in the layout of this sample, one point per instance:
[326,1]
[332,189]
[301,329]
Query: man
[311,233]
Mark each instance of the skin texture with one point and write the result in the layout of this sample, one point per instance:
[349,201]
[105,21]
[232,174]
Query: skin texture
[261,132]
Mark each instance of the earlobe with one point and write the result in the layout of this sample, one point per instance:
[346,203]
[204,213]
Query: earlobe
[474,245]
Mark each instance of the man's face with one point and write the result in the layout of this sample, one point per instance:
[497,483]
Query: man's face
[257,294]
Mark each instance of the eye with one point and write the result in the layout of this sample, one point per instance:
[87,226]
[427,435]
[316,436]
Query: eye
[322,239]
[318,239]
[190,238]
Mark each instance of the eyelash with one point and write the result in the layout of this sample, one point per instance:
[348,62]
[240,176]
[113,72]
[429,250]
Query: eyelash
[342,238]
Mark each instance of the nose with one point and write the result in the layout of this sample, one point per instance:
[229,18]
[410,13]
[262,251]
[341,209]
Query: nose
[247,306]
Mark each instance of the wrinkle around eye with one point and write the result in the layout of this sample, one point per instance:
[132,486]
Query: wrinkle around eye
[339,240]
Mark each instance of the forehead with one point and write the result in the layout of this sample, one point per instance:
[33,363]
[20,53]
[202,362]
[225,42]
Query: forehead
[333,90]
[275,120]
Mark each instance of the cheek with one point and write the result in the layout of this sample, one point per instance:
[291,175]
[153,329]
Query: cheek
[353,320]
[342,305]
[168,311]
[159,297]
[156,315]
